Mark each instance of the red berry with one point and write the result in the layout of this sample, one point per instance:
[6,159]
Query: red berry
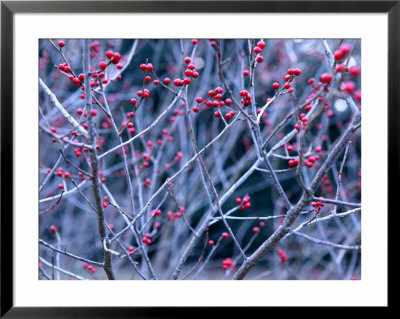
[195,109]
[188,59]
[256,230]
[67,175]
[133,101]
[345,48]
[257,50]
[326,78]
[246,72]
[102,65]
[61,44]
[211,243]
[338,54]
[146,93]
[225,235]
[149,67]
[260,59]
[275,86]
[261,44]
[355,71]
[188,72]
[109,54]
[311,81]
[167,80]
[53,229]
[349,86]
[216,114]
[143,67]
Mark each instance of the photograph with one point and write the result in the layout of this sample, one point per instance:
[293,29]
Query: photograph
[199,159]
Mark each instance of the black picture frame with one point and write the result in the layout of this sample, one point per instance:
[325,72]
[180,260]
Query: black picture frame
[9,8]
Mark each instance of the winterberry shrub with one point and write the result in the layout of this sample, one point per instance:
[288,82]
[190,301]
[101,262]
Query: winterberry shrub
[200,159]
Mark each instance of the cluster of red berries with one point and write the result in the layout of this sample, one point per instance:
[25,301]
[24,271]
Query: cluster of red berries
[146,182]
[342,52]
[227,263]
[244,203]
[115,58]
[214,99]
[155,212]
[64,67]
[307,161]
[145,93]
[60,173]
[258,50]
[146,239]
[146,67]
[288,78]
[105,201]
[282,255]
[246,97]
[100,75]
[146,160]
[172,216]
[178,156]
[317,206]
[190,72]
[302,123]
[89,267]
[326,184]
